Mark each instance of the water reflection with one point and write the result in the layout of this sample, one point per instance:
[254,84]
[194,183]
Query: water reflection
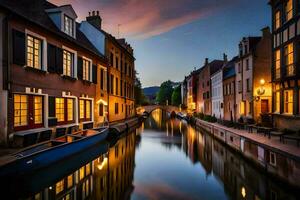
[163,159]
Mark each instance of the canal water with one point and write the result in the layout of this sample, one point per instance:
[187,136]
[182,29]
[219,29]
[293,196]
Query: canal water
[162,159]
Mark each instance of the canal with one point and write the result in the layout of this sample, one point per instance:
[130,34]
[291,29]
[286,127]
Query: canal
[162,159]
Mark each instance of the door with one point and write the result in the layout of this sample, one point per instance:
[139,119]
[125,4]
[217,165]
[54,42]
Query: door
[264,106]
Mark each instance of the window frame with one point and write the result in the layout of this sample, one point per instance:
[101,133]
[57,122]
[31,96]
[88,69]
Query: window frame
[30,112]
[85,117]
[87,69]
[277,19]
[289,59]
[277,59]
[70,21]
[288,13]
[65,110]
[288,102]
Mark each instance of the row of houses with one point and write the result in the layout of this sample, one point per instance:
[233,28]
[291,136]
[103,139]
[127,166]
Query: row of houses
[264,78]
[55,71]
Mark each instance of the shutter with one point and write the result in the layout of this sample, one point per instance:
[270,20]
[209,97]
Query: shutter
[80,68]
[51,106]
[19,48]
[51,58]
[95,74]
[59,61]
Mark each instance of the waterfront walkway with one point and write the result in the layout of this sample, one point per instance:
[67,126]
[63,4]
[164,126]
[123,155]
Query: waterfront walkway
[272,143]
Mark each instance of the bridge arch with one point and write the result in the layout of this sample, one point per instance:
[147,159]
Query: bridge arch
[149,109]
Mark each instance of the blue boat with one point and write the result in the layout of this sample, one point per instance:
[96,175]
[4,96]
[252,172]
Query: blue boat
[47,153]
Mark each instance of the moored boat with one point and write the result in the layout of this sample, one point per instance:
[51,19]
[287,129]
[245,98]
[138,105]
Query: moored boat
[47,153]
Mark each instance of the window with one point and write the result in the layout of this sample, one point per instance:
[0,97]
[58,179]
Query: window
[112,84]
[117,86]
[59,187]
[116,108]
[288,101]
[70,107]
[247,64]
[69,25]
[64,110]
[34,52]
[68,63]
[101,109]
[111,59]
[277,22]
[242,108]
[277,102]
[86,70]
[289,59]
[248,84]
[117,62]
[102,79]
[240,86]
[239,68]
[85,110]
[38,109]
[277,64]
[28,111]
[288,10]
[60,109]
[20,110]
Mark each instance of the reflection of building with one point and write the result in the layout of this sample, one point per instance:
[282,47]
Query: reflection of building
[285,63]
[108,177]
[253,89]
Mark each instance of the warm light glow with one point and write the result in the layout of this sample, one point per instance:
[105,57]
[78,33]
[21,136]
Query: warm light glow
[243,192]
[262,81]
[104,162]
[102,101]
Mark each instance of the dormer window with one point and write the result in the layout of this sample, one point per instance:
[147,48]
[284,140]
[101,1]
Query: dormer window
[68,25]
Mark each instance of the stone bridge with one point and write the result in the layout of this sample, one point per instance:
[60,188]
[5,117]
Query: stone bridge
[150,108]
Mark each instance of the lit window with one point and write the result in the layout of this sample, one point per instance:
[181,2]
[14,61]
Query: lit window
[60,109]
[277,102]
[81,173]
[20,110]
[69,25]
[289,10]
[81,109]
[277,64]
[34,52]
[70,109]
[242,108]
[68,62]
[289,59]
[85,109]
[88,109]
[288,101]
[87,169]
[277,20]
[38,110]
[59,187]
[86,70]
[70,181]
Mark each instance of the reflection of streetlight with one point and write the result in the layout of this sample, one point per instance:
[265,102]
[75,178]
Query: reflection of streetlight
[243,192]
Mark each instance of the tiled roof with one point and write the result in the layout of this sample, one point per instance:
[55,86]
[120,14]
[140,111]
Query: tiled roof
[215,65]
[34,11]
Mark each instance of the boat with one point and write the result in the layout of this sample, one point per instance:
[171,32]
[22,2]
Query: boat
[47,153]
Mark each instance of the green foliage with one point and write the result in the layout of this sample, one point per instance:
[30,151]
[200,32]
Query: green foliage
[140,98]
[207,118]
[176,96]
[165,93]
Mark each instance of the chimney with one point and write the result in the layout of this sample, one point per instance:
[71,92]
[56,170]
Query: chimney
[206,61]
[95,19]
[266,31]
[225,57]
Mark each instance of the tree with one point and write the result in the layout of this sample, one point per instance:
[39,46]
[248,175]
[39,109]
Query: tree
[176,96]
[165,93]
[139,96]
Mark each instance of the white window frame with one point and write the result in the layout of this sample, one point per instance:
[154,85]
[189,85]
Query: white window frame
[44,58]
[91,66]
[275,161]
[75,60]
[63,15]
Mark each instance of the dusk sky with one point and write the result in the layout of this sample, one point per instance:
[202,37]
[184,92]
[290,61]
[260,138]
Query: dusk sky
[172,37]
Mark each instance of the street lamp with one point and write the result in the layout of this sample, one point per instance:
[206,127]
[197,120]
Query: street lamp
[261,90]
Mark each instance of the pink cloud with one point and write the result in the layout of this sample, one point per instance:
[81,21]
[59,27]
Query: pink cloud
[146,18]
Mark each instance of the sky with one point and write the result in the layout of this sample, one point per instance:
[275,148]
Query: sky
[172,37]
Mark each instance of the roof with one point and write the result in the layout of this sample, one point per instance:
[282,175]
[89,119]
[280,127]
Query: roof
[229,69]
[215,66]
[36,13]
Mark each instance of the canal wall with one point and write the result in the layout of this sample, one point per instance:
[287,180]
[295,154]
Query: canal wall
[126,125]
[279,160]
